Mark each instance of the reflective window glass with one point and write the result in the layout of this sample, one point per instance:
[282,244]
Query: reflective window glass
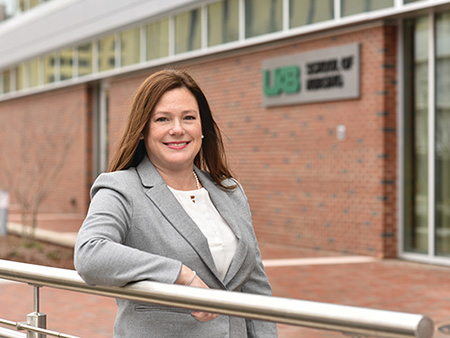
[85,59]
[22,5]
[107,53]
[411,1]
[188,31]
[33,3]
[6,81]
[351,7]
[33,73]
[158,39]
[263,17]
[442,137]
[49,68]
[415,184]
[130,46]
[223,22]
[305,12]
[25,5]
[66,64]
[20,76]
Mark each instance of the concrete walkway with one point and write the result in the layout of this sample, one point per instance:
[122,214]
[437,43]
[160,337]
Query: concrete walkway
[294,273]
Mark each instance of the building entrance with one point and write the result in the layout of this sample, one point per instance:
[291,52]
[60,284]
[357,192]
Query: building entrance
[426,136]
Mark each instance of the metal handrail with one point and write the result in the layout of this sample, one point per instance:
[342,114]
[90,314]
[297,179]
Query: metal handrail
[29,328]
[7,333]
[356,321]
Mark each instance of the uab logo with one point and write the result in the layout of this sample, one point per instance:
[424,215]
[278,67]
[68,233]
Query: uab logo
[281,80]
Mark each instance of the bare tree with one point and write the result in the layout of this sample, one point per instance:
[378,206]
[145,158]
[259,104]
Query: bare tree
[32,154]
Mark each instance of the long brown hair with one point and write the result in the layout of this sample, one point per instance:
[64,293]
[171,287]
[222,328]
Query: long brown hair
[131,150]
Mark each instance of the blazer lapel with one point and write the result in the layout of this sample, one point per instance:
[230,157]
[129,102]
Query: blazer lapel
[227,210]
[164,200]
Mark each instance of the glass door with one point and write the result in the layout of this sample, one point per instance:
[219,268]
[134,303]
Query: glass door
[442,137]
[426,136]
[415,184]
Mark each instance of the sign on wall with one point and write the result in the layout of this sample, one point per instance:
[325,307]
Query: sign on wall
[320,75]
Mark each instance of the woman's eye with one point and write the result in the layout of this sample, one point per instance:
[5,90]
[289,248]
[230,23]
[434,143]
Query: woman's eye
[190,117]
[161,119]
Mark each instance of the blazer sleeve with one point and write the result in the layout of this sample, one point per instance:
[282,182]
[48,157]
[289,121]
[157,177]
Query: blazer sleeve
[258,283]
[100,256]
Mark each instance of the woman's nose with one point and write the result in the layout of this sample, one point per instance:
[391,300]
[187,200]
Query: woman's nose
[177,129]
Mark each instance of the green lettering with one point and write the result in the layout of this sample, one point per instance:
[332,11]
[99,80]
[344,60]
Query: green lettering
[291,79]
[275,89]
[285,79]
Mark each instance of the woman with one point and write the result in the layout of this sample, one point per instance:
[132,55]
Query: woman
[170,211]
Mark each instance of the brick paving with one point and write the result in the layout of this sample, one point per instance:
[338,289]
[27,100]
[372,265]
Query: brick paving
[381,284]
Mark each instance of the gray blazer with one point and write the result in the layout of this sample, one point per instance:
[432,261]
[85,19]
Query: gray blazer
[136,230]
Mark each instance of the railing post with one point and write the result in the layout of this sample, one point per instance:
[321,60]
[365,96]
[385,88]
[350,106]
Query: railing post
[36,318]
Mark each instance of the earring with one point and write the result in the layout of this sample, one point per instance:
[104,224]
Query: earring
[203,136]
[141,137]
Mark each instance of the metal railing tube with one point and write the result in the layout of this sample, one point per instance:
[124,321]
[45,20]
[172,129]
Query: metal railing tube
[347,319]
[30,329]
[7,333]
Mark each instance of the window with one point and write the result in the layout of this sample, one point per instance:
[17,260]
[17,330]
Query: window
[33,3]
[350,7]
[6,81]
[305,12]
[223,22]
[130,46]
[181,33]
[22,4]
[416,135]
[49,68]
[188,31]
[20,76]
[263,17]
[106,53]
[66,64]
[158,39]
[85,59]
[33,73]
[442,137]
[426,183]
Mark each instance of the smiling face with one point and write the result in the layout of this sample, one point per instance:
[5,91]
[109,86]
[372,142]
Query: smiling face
[173,136]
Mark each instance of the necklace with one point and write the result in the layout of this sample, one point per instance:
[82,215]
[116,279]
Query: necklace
[197,182]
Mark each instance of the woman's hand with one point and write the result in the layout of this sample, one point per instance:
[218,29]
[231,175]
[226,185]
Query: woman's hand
[184,278]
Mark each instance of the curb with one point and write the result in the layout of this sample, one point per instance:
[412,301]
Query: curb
[66,239]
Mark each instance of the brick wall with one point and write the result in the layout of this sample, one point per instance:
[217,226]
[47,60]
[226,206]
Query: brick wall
[305,187]
[44,149]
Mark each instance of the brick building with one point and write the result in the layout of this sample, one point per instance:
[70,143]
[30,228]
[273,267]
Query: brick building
[335,113]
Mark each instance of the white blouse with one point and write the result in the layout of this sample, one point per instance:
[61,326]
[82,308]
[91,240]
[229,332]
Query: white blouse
[221,239]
